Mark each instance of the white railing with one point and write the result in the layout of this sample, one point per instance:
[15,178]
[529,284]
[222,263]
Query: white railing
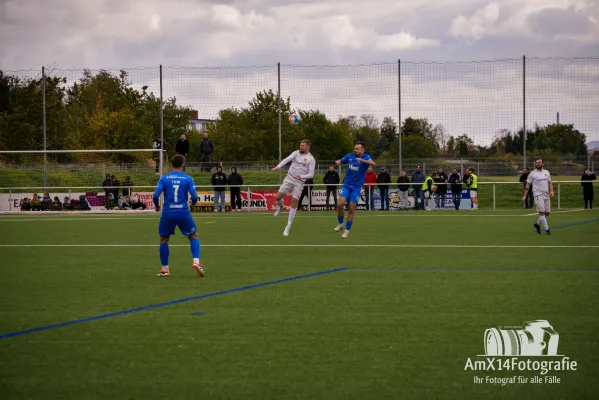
[13,195]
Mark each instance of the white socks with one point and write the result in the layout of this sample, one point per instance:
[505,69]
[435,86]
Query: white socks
[292,212]
[196,261]
[543,222]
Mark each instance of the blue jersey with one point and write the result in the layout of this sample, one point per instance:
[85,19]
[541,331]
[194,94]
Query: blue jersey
[176,187]
[356,171]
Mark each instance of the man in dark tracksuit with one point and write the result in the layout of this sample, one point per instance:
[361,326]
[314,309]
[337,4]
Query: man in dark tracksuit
[182,148]
[306,191]
[235,181]
[206,148]
[456,187]
[331,178]
[219,182]
[384,178]
[529,197]
[441,182]
[418,177]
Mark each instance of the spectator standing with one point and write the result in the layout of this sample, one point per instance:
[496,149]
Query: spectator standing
[306,191]
[206,148]
[115,183]
[404,186]
[369,184]
[235,182]
[157,144]
[529,196]
[182,148]
[127,184]
[418,178]
[383,180]
[455,179]
[219,183]
[471,181]
[428,189]
[587,187]
[331,179]
[441,183]
[105,185]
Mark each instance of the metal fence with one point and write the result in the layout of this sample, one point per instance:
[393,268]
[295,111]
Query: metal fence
[475,98]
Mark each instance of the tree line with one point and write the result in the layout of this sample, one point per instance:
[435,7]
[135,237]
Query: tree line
[104,111]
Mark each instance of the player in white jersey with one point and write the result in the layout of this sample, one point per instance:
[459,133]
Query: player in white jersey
[542,189]
[302,168]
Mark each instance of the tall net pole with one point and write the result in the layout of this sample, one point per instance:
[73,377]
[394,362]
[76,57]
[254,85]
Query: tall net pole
[279,112]
[161,126]
[524,109]
[399,111]
[44,125]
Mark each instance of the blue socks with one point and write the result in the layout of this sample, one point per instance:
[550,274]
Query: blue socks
[348,225]
[194,244]
[340,219]
[164,253]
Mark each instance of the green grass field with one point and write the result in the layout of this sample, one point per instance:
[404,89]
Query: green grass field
[393,312]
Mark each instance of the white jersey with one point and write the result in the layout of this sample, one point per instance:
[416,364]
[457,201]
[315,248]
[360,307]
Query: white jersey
[539,180]
[302,165]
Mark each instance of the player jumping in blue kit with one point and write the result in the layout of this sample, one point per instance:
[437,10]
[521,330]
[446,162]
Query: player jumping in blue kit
[177,187]
[358,164]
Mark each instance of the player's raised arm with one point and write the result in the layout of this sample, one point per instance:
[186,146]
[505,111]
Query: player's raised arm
[157,193]
[343,160]
[284,162]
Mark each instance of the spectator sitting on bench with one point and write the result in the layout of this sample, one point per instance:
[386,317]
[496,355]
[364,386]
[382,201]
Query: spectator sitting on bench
[26,204]
[56,204]
[110,202]
[135,203]
[83,204]
[123,203]
[46,202]
[36,203]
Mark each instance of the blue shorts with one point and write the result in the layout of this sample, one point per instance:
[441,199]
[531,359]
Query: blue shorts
[170,220]
[351,194]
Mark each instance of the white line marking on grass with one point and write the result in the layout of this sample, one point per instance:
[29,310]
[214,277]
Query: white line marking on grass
[317,245]
[557,212]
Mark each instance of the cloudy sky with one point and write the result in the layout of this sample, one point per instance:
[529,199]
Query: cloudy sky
[65,34]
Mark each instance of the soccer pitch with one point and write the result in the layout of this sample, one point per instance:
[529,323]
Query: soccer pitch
[393,312]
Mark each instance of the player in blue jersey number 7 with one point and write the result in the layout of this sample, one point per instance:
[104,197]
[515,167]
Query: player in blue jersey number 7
[358,163]
[177,187]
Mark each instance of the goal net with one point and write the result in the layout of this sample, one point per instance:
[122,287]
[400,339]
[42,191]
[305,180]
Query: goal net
[91,181]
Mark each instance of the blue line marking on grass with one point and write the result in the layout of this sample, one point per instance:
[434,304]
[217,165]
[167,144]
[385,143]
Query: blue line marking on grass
[575,223]
[198,313]
[472,269]
[168,303]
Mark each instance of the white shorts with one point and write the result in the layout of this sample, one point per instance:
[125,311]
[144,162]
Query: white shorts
[474,194]
[543,204]
[292,185]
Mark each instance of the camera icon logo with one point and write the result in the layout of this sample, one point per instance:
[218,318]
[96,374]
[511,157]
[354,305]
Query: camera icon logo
[534,338]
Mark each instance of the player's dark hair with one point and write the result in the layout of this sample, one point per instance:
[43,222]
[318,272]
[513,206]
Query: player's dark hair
[362,144]
[177,161]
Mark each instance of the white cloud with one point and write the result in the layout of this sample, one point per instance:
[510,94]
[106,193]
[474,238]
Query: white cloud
[480,24]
